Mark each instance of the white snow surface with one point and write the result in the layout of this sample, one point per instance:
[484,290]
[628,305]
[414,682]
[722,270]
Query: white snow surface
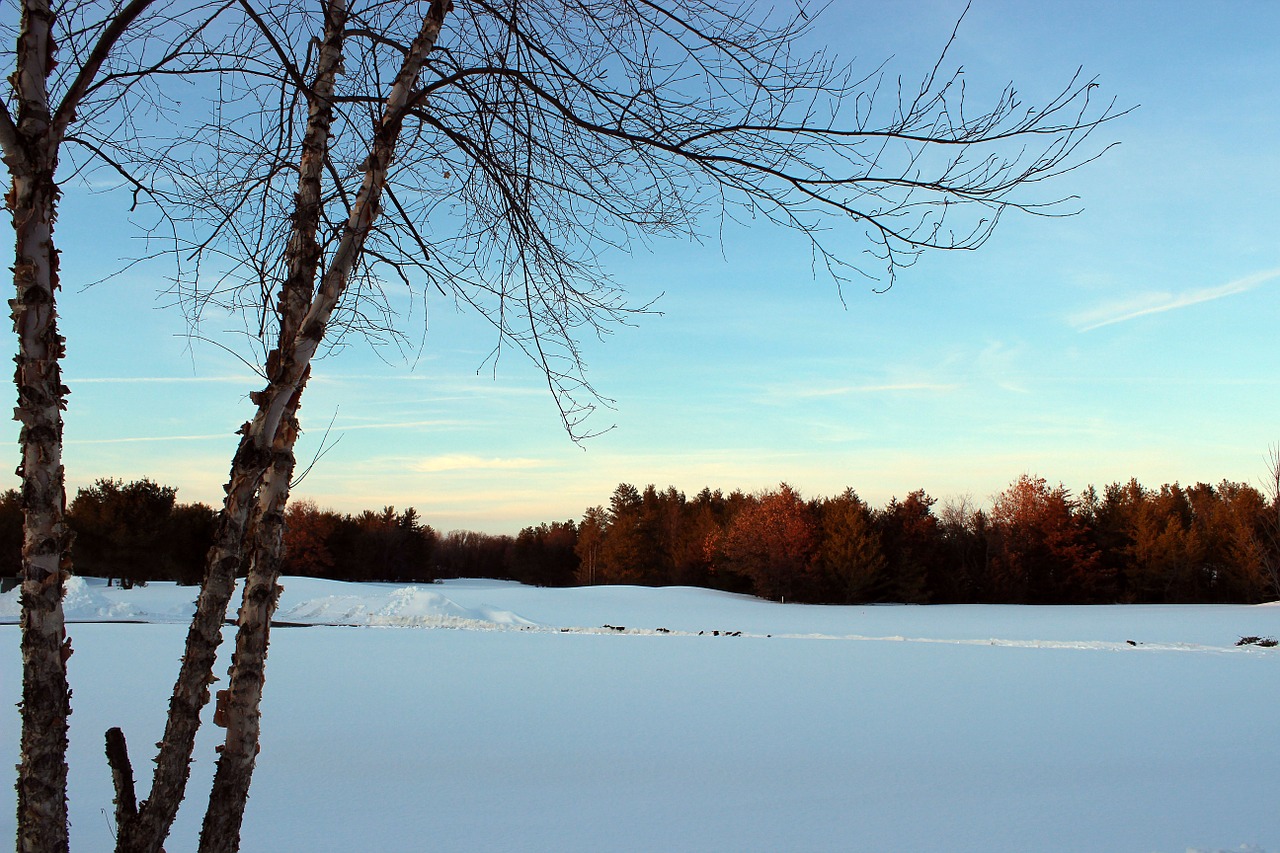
[479,715]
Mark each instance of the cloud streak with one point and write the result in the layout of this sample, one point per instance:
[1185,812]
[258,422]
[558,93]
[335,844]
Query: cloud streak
[149,438]
[849,390]
[467,462]
[398,425]
[139,380]
[1145,304]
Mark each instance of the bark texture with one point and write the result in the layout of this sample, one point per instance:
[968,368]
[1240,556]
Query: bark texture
[46,699]
[31,144]
[191,691]
[239,706]
[303,320]
[32,199]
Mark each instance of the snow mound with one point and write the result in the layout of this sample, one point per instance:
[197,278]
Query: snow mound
[306,602]
[81,601]
[410,606]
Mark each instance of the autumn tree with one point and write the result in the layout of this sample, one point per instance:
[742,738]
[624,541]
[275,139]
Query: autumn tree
[912,540]
[1168,554]
[773,542]
[703,518]
[307,530]
[385,546]
[1229,519]
[119,526]
[545,555]
[591,534]
[629,553]
[138,531]
[1112,519]
[1042,552]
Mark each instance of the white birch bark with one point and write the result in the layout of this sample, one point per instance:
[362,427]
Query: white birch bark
[31,145]
[238,705]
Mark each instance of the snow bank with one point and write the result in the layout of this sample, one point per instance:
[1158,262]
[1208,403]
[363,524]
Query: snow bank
[305,601]
[410,606]
[490,605]
[91,600]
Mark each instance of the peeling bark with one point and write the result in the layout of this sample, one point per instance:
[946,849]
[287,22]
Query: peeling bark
[32,199]
[191,691]
[31,144]
[46,698]
[240,706]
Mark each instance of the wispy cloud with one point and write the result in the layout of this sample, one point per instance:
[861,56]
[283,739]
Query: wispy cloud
[1004,366]
[1144,304]
[398,425]
[140,439]
[122,380]
[850,390]
[467,462]
[148,438]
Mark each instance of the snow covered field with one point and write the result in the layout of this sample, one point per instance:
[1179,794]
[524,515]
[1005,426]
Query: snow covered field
[487,716]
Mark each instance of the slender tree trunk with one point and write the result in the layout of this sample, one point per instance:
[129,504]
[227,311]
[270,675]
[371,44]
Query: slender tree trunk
[303,324]
[239,705]
[191,691]
[46,699]
[258,452]
[30,145]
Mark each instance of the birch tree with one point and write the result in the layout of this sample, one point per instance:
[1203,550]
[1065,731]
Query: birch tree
[250,526]
[494,155]
[80,69]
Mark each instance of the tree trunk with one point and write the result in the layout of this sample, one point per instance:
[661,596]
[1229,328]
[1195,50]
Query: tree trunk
[303,324]
[31,145]
[46,699]
[276,405]
[191,691]
[238,706]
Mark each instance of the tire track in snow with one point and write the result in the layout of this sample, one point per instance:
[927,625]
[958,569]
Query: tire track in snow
[995,642]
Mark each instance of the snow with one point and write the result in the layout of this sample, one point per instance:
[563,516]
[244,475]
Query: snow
[483,715]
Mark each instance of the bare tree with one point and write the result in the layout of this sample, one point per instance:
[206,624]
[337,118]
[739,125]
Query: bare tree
[348,150]
[252,516]
[80,70]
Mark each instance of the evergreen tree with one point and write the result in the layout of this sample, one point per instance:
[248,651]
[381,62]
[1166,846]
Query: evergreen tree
[852,561]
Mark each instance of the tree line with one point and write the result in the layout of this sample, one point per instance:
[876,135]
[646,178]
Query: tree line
[1035,544]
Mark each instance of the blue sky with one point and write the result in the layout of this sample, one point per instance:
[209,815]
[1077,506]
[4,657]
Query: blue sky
[1134,340]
